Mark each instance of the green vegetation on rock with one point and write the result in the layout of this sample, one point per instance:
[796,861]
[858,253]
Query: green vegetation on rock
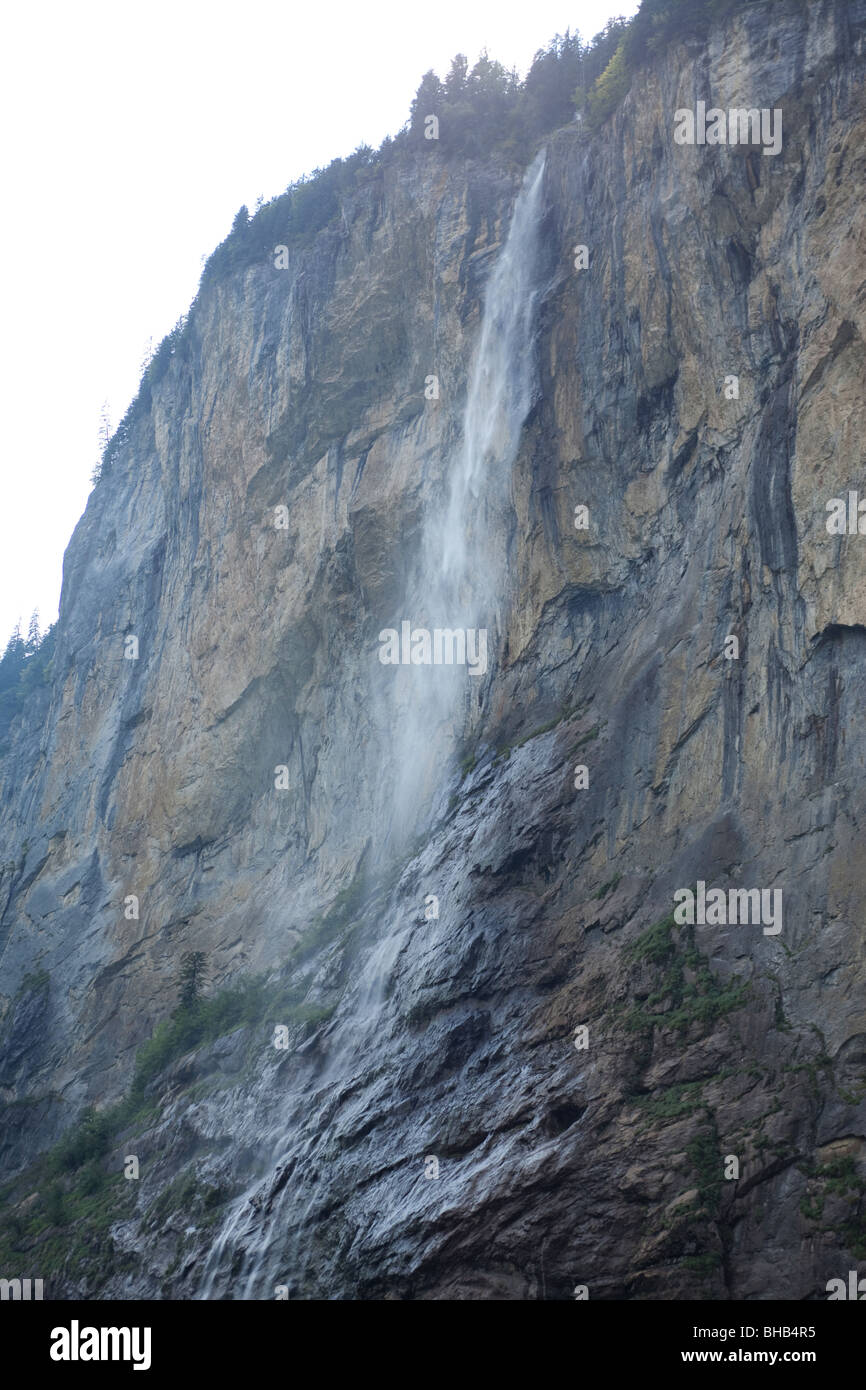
[840,1178]
[26,667]
[688,994]
[63,1205]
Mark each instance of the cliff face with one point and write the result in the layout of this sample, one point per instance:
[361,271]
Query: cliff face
[420,1043]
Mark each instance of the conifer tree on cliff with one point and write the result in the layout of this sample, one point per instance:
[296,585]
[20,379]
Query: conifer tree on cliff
[192,973]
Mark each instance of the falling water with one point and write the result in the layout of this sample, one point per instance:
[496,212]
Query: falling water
[500,388]
[459,583]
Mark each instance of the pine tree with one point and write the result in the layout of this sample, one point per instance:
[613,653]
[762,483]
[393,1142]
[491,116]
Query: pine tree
[12,661]
[147,357]
[104,428]
[455,82]
[105,432]
[192,973]
[34,637]
[427,102]
[15,642]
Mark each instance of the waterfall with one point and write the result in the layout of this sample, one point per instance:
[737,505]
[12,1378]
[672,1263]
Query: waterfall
[498,398]
[458,584]
[460,580]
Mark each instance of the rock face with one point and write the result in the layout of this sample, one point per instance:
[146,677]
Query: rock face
[436,1126]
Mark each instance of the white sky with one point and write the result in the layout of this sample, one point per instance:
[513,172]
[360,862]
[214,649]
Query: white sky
[132,134]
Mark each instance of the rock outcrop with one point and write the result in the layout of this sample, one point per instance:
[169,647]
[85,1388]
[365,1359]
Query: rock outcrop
[436,1125]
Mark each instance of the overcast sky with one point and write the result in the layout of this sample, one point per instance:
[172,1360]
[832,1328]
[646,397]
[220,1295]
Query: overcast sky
[132,134]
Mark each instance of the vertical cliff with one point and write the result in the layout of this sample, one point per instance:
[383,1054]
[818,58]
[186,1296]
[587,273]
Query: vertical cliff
[249,780]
